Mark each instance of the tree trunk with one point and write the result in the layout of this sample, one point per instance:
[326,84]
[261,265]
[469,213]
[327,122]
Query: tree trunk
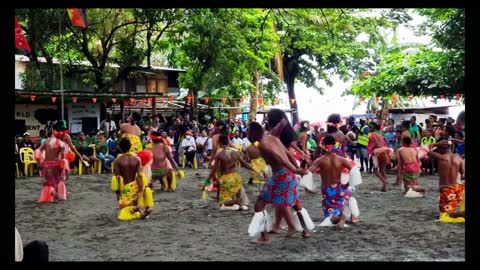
[254,97]
[291,95]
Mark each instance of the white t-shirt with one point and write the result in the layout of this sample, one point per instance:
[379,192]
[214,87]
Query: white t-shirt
[190,143]
[209,144]
[201,140]
[246,142]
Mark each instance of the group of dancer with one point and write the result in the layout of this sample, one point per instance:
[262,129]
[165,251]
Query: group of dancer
[276,146]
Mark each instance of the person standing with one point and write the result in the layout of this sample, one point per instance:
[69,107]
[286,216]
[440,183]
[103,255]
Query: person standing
[108,126]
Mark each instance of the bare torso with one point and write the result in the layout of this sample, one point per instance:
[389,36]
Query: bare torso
[330,166]
[273,151]
[252,152]
[407,155]
[129,129]
[228,159]
[160,152]
[127,166]
[448,168]
[53,148]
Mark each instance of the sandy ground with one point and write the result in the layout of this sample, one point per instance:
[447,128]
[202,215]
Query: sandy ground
[184,228]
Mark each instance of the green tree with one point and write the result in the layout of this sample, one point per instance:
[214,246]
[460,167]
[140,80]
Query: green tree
[317,43]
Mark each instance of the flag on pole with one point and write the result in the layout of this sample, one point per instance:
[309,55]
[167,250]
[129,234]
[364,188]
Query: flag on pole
[20,40]
[76,17]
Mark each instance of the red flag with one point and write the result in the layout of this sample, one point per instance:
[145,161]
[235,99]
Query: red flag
[207,99]
[224,100]
[33,98]
[20,40]
[85,105]
[292,100]
[76,17]
[189,98]
[241,100]
[394,99]
[170,98]
[54,98]
[260,101]
[150,100]
[125,102]
[458,96]
[410,98]
[94,99]
[133,101]
[74,99]
[114,100]
[143,101]
[105,103]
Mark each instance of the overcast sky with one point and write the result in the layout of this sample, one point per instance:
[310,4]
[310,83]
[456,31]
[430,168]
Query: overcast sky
[314,107]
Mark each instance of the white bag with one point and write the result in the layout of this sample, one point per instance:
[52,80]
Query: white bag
[261,222]
[307,181]
[306,217]
[355,177]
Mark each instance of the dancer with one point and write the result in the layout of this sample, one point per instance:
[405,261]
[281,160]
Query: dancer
[252,152]
[226,159]
[381,154]
[409,169]
[135,198]
[54,169]
[162,162]
[131,131]
[452,191]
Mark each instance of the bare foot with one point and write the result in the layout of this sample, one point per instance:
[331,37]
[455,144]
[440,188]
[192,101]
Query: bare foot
[306,234]
[264,239]
[290,233]
[274,231]
[384,188]
[341,224]
[355,219]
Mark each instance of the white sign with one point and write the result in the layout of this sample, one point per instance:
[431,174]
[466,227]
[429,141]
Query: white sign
[31,123]
[77,111]
[76,126]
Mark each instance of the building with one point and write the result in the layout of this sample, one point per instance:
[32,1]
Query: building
[83,107]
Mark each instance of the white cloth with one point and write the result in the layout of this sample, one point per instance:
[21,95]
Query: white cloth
[201,140]
[107,126]
[190,143]
[18,246]
[209,144]
[246,143]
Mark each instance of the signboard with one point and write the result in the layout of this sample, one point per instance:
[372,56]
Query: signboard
[27,114]
[76,113]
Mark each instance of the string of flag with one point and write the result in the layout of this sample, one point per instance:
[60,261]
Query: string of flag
[394,98]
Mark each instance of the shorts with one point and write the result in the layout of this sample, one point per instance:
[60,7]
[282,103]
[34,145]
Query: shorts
[362,152]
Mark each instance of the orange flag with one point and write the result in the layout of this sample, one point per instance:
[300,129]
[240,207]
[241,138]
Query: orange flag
[224,100]
[260,101]
[241,100]
[76,17]
[410,98]
[170,98]
[189,98]
[377,99]
[361,99]
[394,99]
[292,100]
